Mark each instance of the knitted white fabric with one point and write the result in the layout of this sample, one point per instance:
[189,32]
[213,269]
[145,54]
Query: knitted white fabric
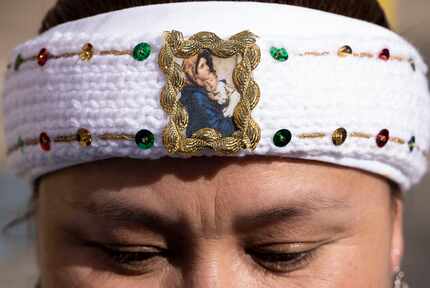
[306,94]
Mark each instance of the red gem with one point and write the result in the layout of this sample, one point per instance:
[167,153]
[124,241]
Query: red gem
[382,138]
[44,141]
[384,55]
[42,57]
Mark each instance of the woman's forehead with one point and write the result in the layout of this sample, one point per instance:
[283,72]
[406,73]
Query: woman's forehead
[252,181]
[205,167]
[212,195]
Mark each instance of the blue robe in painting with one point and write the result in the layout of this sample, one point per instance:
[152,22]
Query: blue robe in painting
[204,112]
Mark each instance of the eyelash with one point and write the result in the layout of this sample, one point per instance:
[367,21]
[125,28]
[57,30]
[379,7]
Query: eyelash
[122,257]
[283,262]
[271,261]
[131,261]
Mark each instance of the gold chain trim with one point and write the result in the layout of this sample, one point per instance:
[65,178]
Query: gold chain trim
[117,137]
[361,135]
[65,138]
[131,138]
[311,135]
[130,53]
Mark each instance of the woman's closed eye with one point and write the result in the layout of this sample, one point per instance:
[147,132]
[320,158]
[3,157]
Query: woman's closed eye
[283,262]
[136,260]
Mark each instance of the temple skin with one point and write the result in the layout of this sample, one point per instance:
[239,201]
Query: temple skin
[213,222]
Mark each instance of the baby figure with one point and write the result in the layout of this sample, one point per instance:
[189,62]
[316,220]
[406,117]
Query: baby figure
[223,93]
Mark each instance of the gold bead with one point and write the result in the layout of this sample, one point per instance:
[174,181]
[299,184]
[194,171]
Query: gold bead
[339,136]
[84,137]
[344,51]
[86,52]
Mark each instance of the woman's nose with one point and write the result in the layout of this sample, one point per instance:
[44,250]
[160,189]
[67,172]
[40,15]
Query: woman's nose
[215,266]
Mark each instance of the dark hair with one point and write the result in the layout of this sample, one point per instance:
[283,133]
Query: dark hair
[69,10]
[205,54]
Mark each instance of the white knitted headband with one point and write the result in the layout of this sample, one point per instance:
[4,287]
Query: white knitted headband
[218,78]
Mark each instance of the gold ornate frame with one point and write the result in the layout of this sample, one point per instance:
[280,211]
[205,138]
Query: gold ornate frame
[174,135]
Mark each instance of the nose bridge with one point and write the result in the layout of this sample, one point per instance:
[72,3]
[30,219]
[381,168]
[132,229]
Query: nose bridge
[213,266]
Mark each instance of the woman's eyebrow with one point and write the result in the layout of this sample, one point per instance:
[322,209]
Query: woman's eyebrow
[122,212]
[288,213]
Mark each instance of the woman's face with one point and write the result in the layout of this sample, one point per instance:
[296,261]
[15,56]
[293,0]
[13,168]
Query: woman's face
[188,67]
[250,222]
[203,72]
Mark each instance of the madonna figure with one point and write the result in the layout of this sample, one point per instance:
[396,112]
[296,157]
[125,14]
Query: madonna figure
[204,110]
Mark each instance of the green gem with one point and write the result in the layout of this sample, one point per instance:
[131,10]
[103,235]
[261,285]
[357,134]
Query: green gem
[21,143]
[282,138]
[18,61]
[279,54]
[144,139]
[141,51]
[412,144]
[414,68]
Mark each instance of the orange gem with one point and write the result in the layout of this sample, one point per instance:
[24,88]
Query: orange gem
[42,57]
[384,55]
[45,141]
[382,138]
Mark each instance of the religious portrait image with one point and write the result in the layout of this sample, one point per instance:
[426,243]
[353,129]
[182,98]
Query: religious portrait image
[209,95]
[210,92]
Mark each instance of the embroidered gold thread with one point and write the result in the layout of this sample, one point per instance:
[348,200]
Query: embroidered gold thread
[65,55]
[115,52]
[361,135]
[398,58]
[311,135]
[65,139]
[249,133]
[23,60]
[311,53]
[129,137]
[397,140]
[129,52]
[364,54]
[34,141]
[72,54]
[25,142]
[72,138]
[13,148]
[116,137]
